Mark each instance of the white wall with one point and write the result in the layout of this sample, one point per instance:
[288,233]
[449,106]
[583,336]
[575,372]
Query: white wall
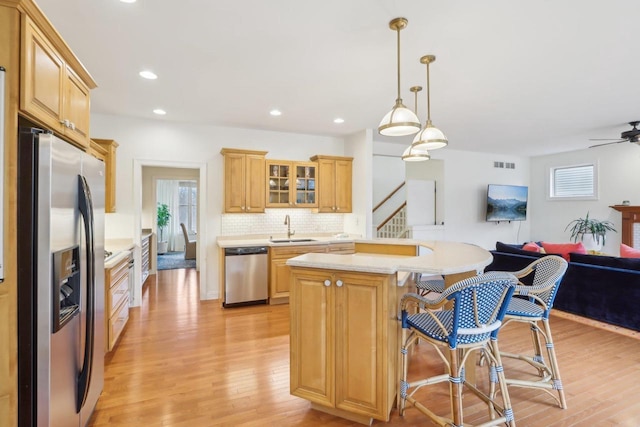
[618,178]
[176,144]
[464,192]
[360,147]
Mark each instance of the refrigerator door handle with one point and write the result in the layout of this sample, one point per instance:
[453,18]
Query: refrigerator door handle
[86,209]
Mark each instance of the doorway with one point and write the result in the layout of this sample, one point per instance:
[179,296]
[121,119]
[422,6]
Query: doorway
[177,221]
[146,173]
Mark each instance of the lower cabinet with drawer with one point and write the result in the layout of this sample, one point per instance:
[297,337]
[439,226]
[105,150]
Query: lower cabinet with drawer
[279,271]
[116,279]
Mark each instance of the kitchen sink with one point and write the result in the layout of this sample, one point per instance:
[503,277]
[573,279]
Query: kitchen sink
[291,240]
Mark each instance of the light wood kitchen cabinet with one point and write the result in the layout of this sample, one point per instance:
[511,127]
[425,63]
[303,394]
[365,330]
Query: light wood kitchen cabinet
[244,181]
[51,91]
[109,148]
[344,336]
[116,280]
[291,184]
[279,271]
[334,183]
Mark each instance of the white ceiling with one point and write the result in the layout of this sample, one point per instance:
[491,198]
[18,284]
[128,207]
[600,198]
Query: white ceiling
[519,77]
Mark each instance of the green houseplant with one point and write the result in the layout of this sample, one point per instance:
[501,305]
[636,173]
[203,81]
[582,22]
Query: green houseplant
[163,220]
[589,226]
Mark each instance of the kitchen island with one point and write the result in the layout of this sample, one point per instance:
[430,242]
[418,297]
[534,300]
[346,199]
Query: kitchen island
[344,321]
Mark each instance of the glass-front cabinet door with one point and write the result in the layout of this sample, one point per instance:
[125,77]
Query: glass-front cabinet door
[291,184]
[305,191]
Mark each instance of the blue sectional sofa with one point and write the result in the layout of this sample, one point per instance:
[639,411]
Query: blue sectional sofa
[598,287]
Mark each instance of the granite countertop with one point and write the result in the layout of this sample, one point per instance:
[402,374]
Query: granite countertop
[295,240]
[444,258]
[116,258]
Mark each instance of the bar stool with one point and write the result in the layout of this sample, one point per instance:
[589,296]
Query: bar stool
[532,304]
[478,305]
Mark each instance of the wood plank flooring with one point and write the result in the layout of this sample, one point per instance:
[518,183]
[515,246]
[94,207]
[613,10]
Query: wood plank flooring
[185,362]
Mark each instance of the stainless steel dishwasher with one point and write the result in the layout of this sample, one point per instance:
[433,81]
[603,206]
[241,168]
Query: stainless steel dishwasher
[245,276]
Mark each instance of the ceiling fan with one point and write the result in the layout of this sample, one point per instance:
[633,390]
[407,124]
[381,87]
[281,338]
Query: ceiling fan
[632,135]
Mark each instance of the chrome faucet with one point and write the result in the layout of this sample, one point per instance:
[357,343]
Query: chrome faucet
[287,222]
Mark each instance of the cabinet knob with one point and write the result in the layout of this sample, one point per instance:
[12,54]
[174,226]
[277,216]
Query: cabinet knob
[248,208]
[72,126]
[333,208]
[242,207]
[339,283]
[327,283]
[338,208]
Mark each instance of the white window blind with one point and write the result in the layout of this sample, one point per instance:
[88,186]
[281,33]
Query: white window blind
[573,181]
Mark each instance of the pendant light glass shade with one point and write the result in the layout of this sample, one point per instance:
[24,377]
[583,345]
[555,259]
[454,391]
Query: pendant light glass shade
[400,120]
[430,137]
[415,154]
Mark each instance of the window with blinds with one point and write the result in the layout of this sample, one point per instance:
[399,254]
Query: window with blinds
[573,182]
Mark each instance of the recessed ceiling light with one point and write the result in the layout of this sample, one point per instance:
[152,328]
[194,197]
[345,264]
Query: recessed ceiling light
[128,1]
[159,111]
[150,75]
[275,112]
[338,120]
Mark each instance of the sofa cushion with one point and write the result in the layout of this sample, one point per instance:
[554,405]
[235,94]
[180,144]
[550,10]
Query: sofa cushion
[533,247]
[629,252]
[516,249]
[606,261]
[564,249]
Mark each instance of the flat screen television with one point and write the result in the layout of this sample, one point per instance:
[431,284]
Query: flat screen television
[506,202]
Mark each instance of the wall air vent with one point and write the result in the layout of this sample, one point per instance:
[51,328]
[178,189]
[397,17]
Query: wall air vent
[504,165]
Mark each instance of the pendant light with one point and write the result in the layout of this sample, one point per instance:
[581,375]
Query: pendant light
[400,120]
[415,154]
[430,137]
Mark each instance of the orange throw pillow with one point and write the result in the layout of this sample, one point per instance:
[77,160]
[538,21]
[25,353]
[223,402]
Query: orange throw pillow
[564,248]
[533,247]
[628,251]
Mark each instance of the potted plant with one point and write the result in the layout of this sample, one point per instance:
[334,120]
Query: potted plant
[593,228]
[163,220]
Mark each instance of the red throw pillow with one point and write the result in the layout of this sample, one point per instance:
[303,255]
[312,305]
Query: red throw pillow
[628,251]
[533,247]
[564,248]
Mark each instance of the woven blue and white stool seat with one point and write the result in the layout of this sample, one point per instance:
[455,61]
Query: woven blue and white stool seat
[524,308]
[428,285]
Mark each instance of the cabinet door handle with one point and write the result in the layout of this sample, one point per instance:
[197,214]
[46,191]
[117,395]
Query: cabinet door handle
[72,126]
[327,283]
[339,283]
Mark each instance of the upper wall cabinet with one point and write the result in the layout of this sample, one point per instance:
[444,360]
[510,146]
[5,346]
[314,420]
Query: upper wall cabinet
[51,92]
[334,183]
[291,184]
[105,150]
[244,181]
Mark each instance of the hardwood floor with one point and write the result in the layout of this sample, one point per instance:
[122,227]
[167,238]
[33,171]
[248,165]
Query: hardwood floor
[183,362]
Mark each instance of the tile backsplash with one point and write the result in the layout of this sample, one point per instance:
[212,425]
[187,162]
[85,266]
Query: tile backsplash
[303,221]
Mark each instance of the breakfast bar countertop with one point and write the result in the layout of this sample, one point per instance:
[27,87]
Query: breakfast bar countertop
[444,258]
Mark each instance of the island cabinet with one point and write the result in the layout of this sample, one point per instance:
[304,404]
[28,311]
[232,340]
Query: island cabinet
[51,92]
[344,337]
[291,184]
[244,181]
[334,183]
[116,280]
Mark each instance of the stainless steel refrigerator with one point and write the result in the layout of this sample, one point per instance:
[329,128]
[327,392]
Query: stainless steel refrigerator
[60,281]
